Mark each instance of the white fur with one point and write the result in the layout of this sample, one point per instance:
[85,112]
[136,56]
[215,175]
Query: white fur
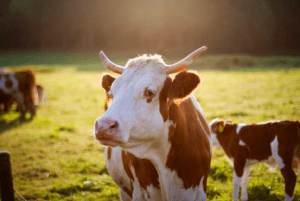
[236,186]
[274,149]
[13,88]
[241,143]
[239,127]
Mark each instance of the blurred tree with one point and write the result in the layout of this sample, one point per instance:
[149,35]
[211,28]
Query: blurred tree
[252,26]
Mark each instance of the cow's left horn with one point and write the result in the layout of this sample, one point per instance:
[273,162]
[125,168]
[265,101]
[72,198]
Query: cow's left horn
[110,65]
[184,63]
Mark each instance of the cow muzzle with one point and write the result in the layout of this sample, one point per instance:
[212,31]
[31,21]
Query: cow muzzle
[106,131]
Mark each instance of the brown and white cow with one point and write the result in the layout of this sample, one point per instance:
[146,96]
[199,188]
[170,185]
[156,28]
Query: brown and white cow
[155,117]
[21,87]
[274,142]
[137,178]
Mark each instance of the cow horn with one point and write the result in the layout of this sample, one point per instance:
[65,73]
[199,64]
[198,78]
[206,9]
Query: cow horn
[184,63]
[110,65]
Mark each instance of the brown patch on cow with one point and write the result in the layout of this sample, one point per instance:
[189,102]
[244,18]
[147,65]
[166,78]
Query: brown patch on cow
[190,153]
[128,191]
[107,81]
[144,170]
[108,153]
[8,84]
[295,163]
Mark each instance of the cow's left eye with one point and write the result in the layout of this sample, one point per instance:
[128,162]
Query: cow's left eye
[149,94]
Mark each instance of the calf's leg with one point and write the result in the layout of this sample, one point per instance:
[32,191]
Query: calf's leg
[247,170]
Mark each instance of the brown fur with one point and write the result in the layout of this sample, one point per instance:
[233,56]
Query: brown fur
[190,154]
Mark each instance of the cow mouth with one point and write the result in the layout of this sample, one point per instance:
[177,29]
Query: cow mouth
[109,142]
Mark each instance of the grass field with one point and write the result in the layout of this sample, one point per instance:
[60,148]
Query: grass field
[54,156]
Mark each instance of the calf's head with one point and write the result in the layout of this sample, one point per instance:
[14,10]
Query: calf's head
[140,98]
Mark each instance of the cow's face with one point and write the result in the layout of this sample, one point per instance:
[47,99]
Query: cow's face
[140,100]
[216,127]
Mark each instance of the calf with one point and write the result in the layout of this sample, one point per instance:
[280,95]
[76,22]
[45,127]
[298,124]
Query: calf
[276,142]
[155,117]
[20,86]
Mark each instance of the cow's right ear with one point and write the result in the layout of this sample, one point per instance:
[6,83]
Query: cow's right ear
[107,81]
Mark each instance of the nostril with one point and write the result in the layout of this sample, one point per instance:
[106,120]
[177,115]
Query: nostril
[114,126]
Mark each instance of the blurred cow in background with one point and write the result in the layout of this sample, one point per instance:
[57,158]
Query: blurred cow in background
[42,95]
[19,87]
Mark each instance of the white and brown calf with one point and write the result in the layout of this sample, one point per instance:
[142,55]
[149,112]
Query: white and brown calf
[20,87]
[275,143]
[154,117]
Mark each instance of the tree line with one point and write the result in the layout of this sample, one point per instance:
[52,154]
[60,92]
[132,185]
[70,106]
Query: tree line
[233,26]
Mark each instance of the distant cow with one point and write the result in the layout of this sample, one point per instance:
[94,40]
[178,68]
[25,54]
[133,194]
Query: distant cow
[276,143]
[155,117]
[42,95]
[20,86]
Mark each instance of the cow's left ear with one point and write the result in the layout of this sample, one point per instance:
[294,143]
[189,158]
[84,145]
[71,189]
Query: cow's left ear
[218,127]
[184,84]
[107,81]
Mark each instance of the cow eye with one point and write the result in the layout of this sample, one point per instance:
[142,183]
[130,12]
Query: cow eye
[149,94]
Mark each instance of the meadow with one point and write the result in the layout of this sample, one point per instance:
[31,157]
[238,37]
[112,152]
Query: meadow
[55,157]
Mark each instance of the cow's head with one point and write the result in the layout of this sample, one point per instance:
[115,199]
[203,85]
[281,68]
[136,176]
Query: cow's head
[217,127]
[141,97]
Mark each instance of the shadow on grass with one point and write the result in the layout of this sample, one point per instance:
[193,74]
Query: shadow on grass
[7,125]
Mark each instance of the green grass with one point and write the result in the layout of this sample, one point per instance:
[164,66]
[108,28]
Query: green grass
[55,157]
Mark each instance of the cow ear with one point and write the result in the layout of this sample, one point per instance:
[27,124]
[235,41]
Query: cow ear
[184,84]
[107,81]
[218,127]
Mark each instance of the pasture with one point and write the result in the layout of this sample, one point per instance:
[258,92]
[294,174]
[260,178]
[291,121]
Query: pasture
[55,157]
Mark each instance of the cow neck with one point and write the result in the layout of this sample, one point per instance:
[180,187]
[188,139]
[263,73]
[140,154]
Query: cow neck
[182,146]
[190,147]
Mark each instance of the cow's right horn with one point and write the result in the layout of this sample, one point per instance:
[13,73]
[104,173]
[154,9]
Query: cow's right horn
[110,65]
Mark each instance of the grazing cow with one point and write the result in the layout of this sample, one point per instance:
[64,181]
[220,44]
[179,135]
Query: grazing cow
[155,117]
[274,142]
[20,86]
